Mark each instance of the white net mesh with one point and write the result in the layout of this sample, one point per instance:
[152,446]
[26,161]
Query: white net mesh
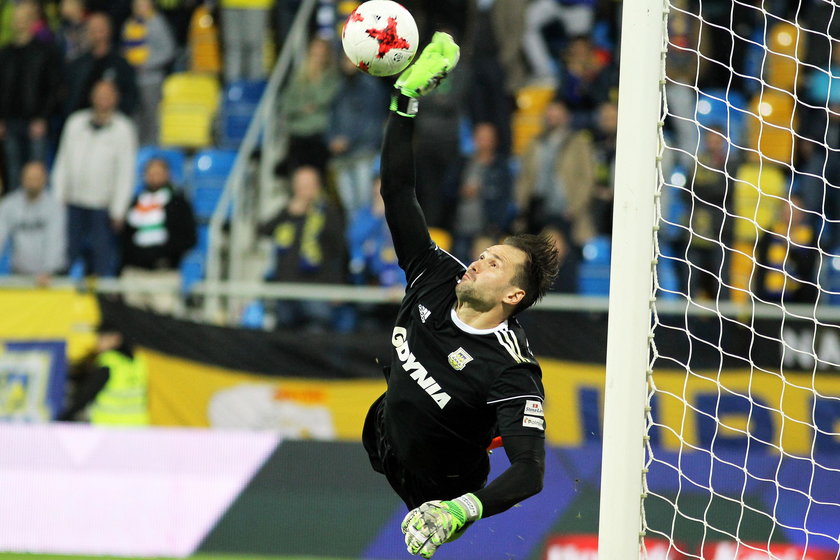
[743,456]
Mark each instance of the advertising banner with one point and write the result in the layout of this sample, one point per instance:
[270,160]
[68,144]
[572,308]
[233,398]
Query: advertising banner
[127,492]
[187,393]
[320,385]
[32,376]
[54,314]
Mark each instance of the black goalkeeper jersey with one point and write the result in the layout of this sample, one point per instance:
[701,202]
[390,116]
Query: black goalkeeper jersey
[451,387]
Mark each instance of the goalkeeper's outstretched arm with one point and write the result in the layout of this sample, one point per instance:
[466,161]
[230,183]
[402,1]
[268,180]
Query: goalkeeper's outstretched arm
[402,211]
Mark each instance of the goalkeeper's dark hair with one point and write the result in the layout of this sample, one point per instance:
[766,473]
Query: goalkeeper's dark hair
[542,261]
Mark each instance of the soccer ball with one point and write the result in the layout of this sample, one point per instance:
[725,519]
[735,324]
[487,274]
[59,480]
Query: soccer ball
[380,37]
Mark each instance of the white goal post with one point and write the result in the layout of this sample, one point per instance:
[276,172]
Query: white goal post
[721,433]
[631,279]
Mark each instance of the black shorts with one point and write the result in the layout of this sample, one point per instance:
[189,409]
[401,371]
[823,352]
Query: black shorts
[414,488]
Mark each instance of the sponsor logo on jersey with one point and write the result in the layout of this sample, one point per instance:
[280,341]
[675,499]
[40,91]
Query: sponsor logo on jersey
[424,313]
[415,369]
[533,422]
[459,358]
[534,408]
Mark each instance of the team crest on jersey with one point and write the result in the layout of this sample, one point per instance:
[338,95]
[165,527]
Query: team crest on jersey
[534,408]
[533,422]
[424,313]
[459,359]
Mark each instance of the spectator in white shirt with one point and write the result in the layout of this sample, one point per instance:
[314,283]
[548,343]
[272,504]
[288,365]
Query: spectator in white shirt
[94,175]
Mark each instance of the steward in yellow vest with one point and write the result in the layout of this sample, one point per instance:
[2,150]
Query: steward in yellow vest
[114,385]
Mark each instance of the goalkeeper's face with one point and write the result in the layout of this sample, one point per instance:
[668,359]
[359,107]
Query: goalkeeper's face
[489,280]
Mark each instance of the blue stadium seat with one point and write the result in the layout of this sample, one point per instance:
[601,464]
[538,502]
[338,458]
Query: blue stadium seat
[192,270]
[211,167]
[239,104]
[669,282]
[210,170]
[832,277]
[594,269]
[253,316]
[823,88]
[204,201]
[175,157]
[723,109]
[5,261]
[203,238]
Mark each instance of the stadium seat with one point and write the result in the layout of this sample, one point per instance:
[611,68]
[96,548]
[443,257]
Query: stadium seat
[204,201]
[441,237]
[832,277]
[239,104]
[203,42]
[726,110]
[5,261]
[173,156]
[666,272]
[785,46]
[210,170]
[188,110]
[211,167]
[528,117]
[253,316]
[770,125]
[192,270]
[594,269]
[202,238]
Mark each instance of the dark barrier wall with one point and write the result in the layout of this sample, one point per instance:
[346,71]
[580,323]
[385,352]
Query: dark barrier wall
[701,342]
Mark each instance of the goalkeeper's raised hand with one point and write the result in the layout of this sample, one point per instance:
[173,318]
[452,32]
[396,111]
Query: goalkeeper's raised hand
[433,65]
[434,523]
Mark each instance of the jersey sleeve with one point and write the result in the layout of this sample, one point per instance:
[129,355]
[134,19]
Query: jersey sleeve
[517,396]
[402,211]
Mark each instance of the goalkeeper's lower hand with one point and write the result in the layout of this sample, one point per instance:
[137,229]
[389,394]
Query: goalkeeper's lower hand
[434,523]
[433,65]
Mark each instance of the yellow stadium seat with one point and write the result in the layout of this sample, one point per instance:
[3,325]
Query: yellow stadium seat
[770,125]
[785,47]
[188,109]
[527,119]
[203,42]
[441,237]
[193,88]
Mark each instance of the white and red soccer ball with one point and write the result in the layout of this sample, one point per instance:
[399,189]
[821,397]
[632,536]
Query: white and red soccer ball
[380,37]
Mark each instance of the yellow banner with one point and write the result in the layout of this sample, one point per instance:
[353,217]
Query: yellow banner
[54,314]
[690,410]
[184,393]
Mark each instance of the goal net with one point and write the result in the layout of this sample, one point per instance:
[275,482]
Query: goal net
[743,410]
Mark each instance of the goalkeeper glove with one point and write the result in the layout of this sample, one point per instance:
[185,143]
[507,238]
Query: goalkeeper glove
[433,65]
[434,523]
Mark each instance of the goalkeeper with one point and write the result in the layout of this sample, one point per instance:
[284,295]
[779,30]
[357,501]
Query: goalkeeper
[460,370]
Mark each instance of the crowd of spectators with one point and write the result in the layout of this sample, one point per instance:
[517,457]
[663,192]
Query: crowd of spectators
[80,83]
[79,87]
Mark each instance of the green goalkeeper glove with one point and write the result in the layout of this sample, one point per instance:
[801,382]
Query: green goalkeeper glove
[434,523]
[433,65]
